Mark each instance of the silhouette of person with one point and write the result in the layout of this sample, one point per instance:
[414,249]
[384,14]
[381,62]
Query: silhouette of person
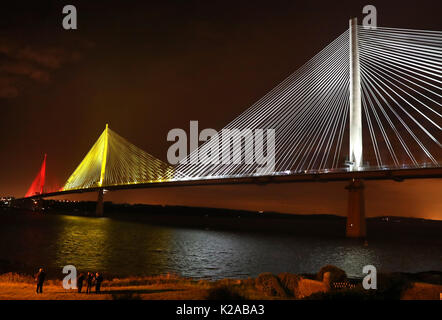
[98,281]
[90,279]
[40,278]
[80,282]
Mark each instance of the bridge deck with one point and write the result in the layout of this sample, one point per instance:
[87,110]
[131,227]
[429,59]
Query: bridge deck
[395,174]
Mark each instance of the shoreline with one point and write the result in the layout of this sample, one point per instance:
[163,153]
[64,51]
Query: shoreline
[329,283]
[323,225]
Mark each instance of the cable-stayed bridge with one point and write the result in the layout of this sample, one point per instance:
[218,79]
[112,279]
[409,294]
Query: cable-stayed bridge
[367,106]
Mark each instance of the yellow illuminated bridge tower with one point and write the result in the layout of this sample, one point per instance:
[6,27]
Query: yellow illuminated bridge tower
[112,161]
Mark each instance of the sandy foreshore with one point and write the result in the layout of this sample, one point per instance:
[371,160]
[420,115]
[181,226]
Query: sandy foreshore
[329,283]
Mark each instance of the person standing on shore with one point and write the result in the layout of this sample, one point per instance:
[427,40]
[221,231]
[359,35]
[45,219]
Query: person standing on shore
[80,282]
[98,281]
[40,278]
[90,279]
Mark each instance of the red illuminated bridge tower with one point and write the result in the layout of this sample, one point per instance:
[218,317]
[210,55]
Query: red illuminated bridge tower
[37,186]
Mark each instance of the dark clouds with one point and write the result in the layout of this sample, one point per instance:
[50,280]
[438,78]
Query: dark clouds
[7,88]
[21,63]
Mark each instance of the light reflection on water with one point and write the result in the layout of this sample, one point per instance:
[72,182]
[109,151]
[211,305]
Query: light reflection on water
[103,244]
[83,242]
[124,248]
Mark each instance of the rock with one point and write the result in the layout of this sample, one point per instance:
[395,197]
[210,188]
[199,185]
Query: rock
[290,282]
[307,287]
[326,279]
[270,285]
[336,274]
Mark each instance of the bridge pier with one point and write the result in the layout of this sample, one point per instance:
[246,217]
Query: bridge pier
[356,210]
[100,202]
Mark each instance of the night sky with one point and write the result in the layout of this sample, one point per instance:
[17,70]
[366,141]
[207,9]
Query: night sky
[147,67]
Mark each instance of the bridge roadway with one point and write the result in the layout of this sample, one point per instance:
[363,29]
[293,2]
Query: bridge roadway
[323,176]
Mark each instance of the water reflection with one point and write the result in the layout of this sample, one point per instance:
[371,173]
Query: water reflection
[101,244]
[83,242]
[353,258]
[228,254]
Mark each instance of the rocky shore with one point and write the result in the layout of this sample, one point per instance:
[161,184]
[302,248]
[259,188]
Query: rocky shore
[329,283]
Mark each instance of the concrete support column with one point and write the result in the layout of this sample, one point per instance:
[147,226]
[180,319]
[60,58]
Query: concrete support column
[100,202]
[356,210]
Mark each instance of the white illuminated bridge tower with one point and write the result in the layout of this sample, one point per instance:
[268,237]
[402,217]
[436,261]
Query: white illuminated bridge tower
[356,204]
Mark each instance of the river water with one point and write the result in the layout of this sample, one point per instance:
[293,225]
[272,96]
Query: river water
[124,248]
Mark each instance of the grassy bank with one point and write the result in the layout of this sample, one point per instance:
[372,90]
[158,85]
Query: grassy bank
[329,283]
